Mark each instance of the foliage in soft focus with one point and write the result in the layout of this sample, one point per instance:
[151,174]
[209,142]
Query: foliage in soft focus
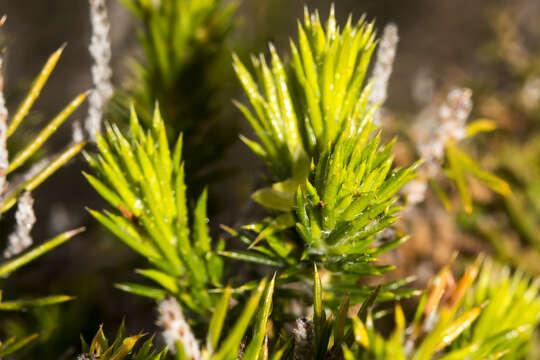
[489,313]
[34,176]
[437,134]
[183,43]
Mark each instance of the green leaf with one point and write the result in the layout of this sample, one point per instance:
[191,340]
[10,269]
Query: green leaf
[280,223]
[142,290]
[319,316]
[232,341]
[40,139]
[274,199]
[25,304]
[166,281]
[9,347]
[36,252]
[217,321]
[254,348]
[339,323]
[34,182]
[201,238]
[251,257]
[128,235]
[494,182]
[480,125]
[457,173]
[34,92]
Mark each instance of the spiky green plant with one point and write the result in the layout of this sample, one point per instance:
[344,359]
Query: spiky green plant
[122,348]
[336,186]
[302,106]
[144,182]
[183,42]
[490,313]
[335,189]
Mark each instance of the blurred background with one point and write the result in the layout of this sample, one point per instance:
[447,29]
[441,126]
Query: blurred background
[490,46]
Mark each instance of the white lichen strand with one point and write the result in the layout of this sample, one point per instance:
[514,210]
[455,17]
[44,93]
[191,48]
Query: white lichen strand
[415,191]
[20,239]
[436,126]
[77,134]
[383,67]
[176,329]
[304,335]
[453,114]
[100,50]
[4,161]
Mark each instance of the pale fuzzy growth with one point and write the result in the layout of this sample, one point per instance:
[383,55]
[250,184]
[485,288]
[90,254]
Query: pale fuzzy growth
[4,162]
[449,125]
[415,191]
[303,339]
[529,95]
[454,113]
[383,66]
[77,134]
[176,329]
[437,124]
[25,219]
[100,50]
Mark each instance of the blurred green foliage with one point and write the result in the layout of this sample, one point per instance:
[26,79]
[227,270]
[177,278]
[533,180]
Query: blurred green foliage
[183,70]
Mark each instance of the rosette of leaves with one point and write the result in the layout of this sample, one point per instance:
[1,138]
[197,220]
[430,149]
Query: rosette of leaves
[183,43]
[144,182]
[122,348]
[337,186]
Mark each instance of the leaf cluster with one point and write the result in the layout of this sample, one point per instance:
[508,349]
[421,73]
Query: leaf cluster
[337,185]
[489,313]
[183,43]
[300,107]
[144,182]
[122,348]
